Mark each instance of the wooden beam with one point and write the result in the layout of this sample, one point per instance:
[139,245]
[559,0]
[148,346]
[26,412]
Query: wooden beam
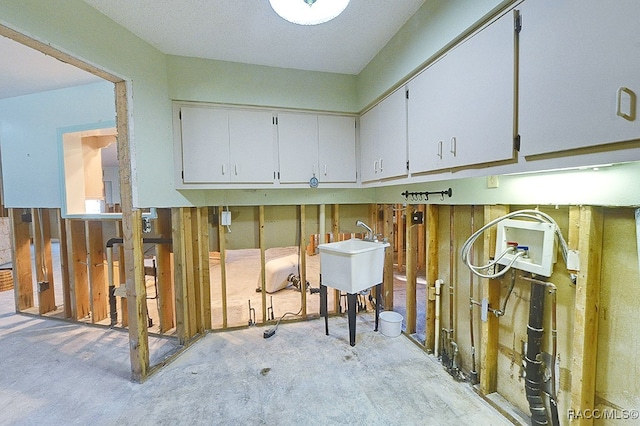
[387,232]
[132,245]
[205,276]
[43,261]
[21,257]
[411,269]
[335,229]
[421,243]
[97,274]
[183,243]
[431,251]
[303,259]
[64,263]
[223,268]
[263,263]
[165,278]
[193,274]
[122,278]
[585,326]
[490,291]
[401,234]
[80,304]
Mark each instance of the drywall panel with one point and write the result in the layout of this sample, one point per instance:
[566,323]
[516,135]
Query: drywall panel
[31,164]
[245,84]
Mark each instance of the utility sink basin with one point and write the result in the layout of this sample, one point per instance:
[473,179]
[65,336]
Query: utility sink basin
[352,265]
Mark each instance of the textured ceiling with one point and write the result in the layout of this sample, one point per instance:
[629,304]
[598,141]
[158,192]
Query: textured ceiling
[249,31]
[246,31]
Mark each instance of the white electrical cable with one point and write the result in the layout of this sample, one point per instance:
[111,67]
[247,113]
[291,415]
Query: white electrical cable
[530,214]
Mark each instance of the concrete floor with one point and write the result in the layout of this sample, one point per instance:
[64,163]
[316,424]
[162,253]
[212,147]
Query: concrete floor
[54,372]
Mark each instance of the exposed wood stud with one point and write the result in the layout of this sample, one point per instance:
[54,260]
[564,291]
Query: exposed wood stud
[122,279]
[431,238]
[335,229]
[585,327]
[411,283]
[262,264]
[400,235]
[303,259]
[165,278]
[97,274]
[21,256]
[490,291]
[192,250]
[204,277]
[64,263]
[223,268]
[76,234]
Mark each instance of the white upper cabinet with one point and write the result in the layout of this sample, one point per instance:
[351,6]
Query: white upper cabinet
[205,145]
[383,139]
[336,148]
[297,147]
[579,74]
[226,146]
[461,108]
[320,146]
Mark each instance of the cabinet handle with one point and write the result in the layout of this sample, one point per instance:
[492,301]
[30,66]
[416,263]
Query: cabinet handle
[452,147]
[381,164]
[224,169]
[440,149]
[235,168]
[325,169]
[313,169]
[375,166]
[632,104]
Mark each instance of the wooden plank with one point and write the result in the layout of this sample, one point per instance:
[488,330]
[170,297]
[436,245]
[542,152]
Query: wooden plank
[431,251]
[164,275]
[133,250]
[179,273]
[303,260]
[204,276]
[64,263]
[80,304]
[263,262]
[98,286]
[223,268]
[335,229]
[421,243]
[387,232]
[194,273]
[411,271]
[42,259]
[401,236]
[585,326]
[21,258]
[490,291]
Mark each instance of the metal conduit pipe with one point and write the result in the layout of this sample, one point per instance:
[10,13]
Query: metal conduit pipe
[113,309]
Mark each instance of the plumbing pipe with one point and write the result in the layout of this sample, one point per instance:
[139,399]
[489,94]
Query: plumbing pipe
[533,379]
[436,339]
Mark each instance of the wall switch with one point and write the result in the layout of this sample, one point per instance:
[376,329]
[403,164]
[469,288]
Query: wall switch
[492,181]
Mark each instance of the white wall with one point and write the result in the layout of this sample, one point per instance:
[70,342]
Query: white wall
[31,161]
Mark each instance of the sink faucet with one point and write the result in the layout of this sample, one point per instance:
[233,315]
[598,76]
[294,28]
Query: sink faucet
[369,236]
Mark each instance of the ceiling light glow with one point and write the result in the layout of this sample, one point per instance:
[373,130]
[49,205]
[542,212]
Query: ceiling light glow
[308,12]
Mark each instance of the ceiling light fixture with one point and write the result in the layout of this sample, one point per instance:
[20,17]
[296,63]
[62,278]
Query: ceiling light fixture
[308,12]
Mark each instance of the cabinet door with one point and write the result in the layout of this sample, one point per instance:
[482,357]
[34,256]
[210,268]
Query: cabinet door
[392,135]
[251,135]
[481,101]
[369,157]
[297,147]
[579,79]
[428,126]
[337,148]
[205,145]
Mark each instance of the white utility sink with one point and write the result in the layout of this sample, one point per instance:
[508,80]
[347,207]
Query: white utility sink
[352,265]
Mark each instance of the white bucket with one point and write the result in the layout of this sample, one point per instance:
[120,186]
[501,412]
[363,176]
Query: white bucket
[390,323]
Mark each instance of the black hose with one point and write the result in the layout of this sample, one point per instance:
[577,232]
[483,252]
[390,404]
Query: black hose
[533,369]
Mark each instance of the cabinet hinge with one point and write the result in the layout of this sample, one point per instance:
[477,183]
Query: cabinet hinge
[407,165]
[180,115]
[517,22]
[183,175]
[407,93]
[516,143]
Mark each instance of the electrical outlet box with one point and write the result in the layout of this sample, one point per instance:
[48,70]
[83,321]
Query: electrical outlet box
[538,237]
[417,218]
[225,219]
